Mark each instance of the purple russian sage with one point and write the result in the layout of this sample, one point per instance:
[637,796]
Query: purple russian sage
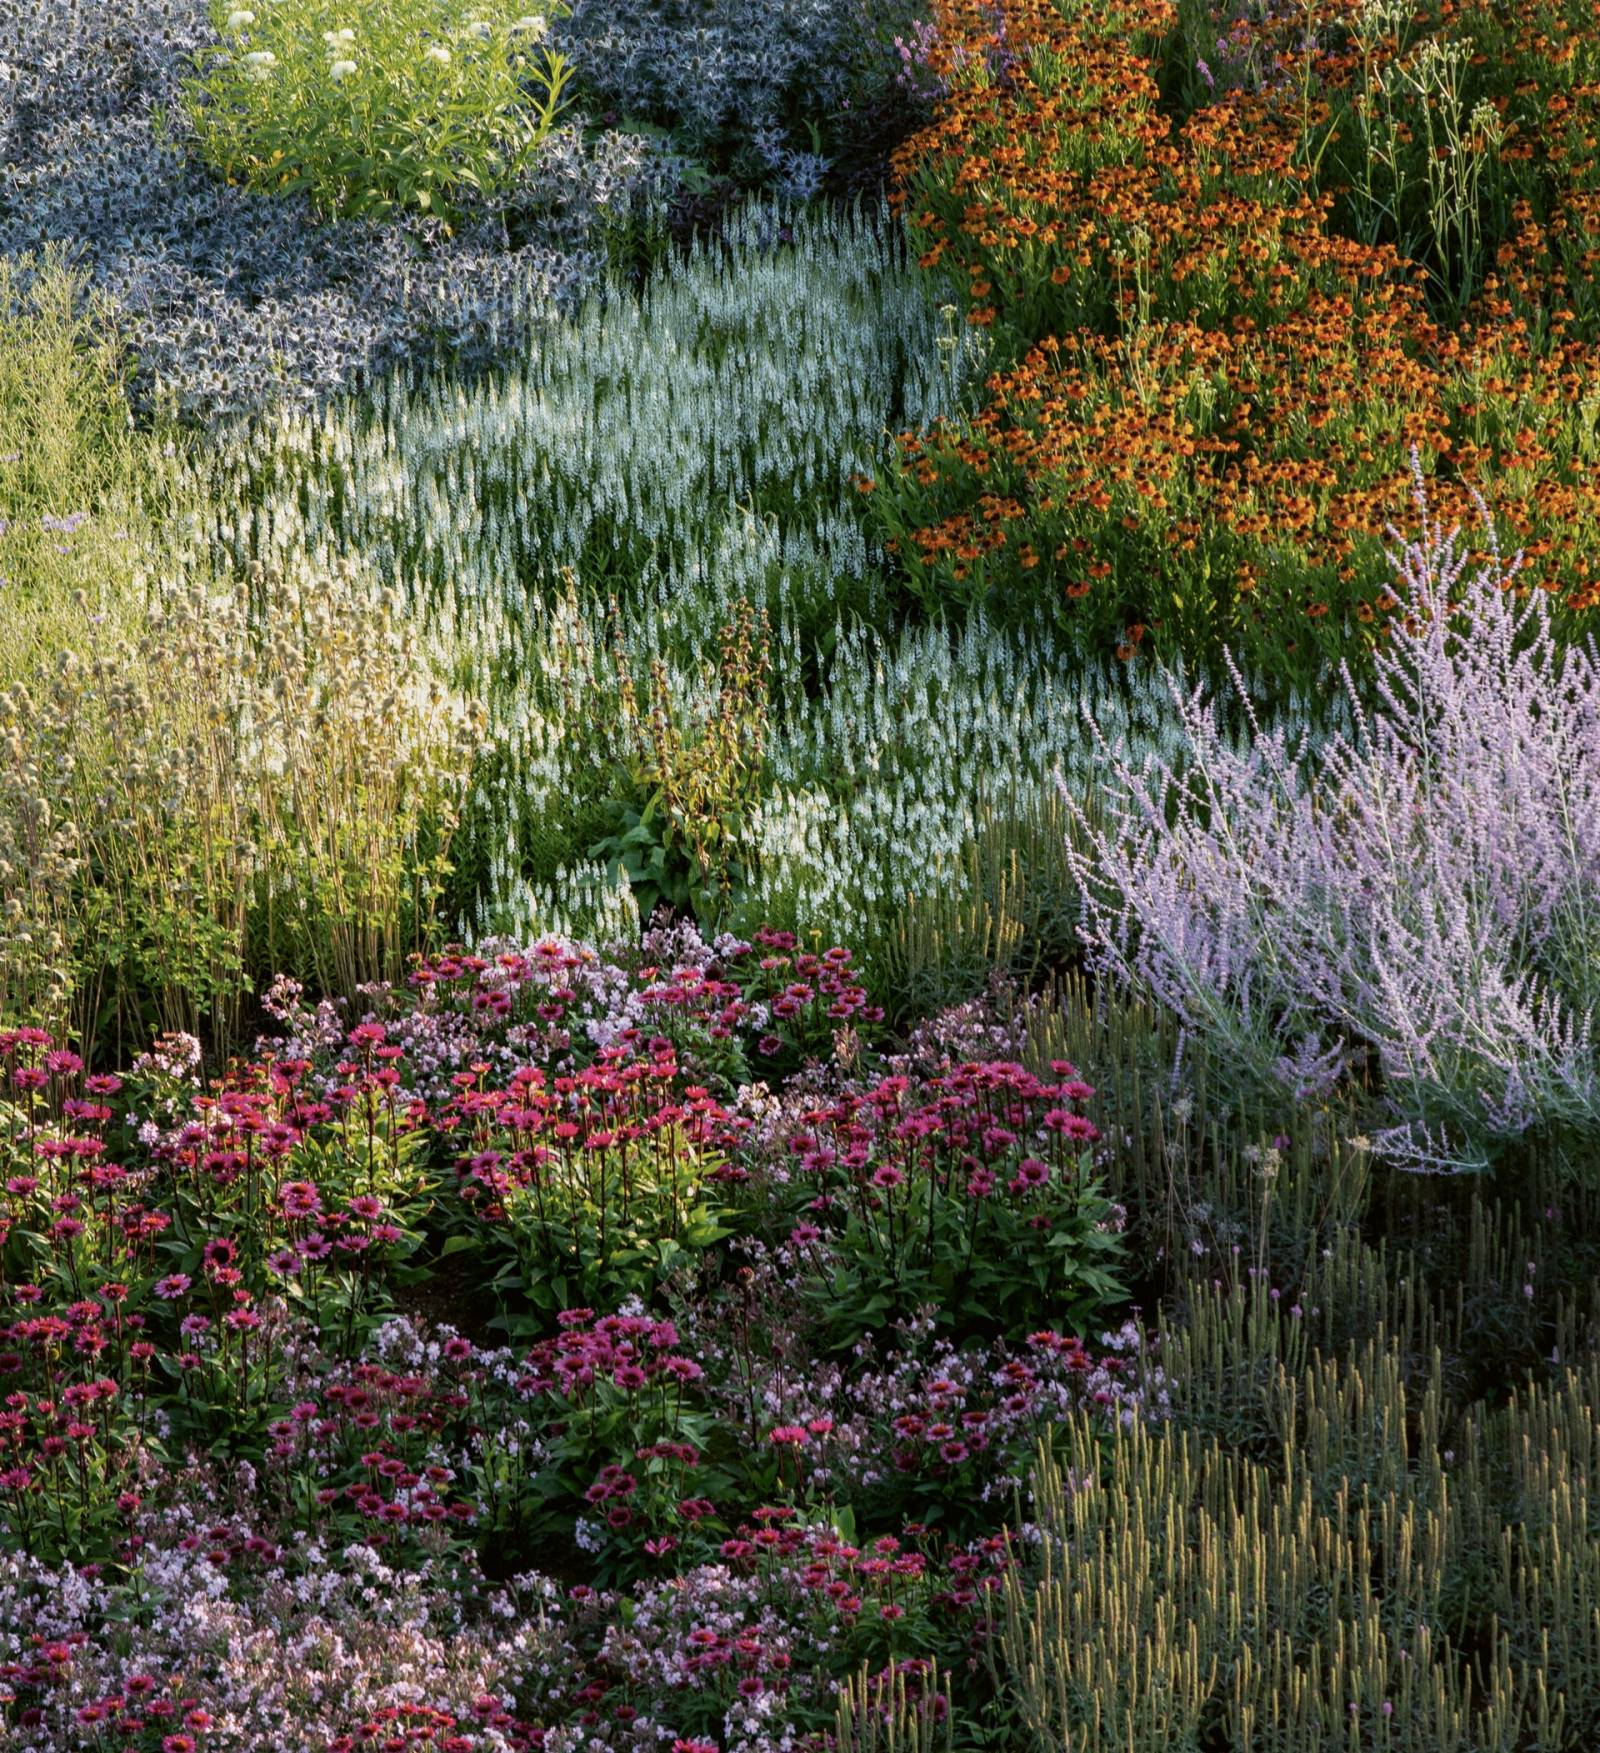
[1419,891]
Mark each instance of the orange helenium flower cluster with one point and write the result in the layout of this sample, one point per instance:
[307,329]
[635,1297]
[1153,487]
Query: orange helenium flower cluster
[1206,394]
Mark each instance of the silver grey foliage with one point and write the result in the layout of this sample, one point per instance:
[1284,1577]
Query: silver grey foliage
[717,68]
[233,299]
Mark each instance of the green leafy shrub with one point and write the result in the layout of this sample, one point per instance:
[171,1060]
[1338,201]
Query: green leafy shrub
[408,104]
[596,1190]
[72,534]
[974,1197]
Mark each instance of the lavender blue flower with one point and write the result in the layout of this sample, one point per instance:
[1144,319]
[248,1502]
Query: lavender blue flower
[1421,892]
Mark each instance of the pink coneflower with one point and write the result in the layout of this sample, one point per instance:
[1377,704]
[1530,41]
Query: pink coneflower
[1071,1125]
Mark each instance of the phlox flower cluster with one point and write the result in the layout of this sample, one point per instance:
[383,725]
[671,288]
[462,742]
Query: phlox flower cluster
[912,1418]
[718,1004]
[241,1645]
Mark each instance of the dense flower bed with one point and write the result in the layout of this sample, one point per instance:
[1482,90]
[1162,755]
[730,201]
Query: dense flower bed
[779,1349]
[1237,267]
[651,1096]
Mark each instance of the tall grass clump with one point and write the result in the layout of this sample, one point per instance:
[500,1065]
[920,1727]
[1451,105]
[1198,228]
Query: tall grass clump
[206,775]
[1181,1595]
[263,777]
[72,533]
[1365,1517]
[72,472]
